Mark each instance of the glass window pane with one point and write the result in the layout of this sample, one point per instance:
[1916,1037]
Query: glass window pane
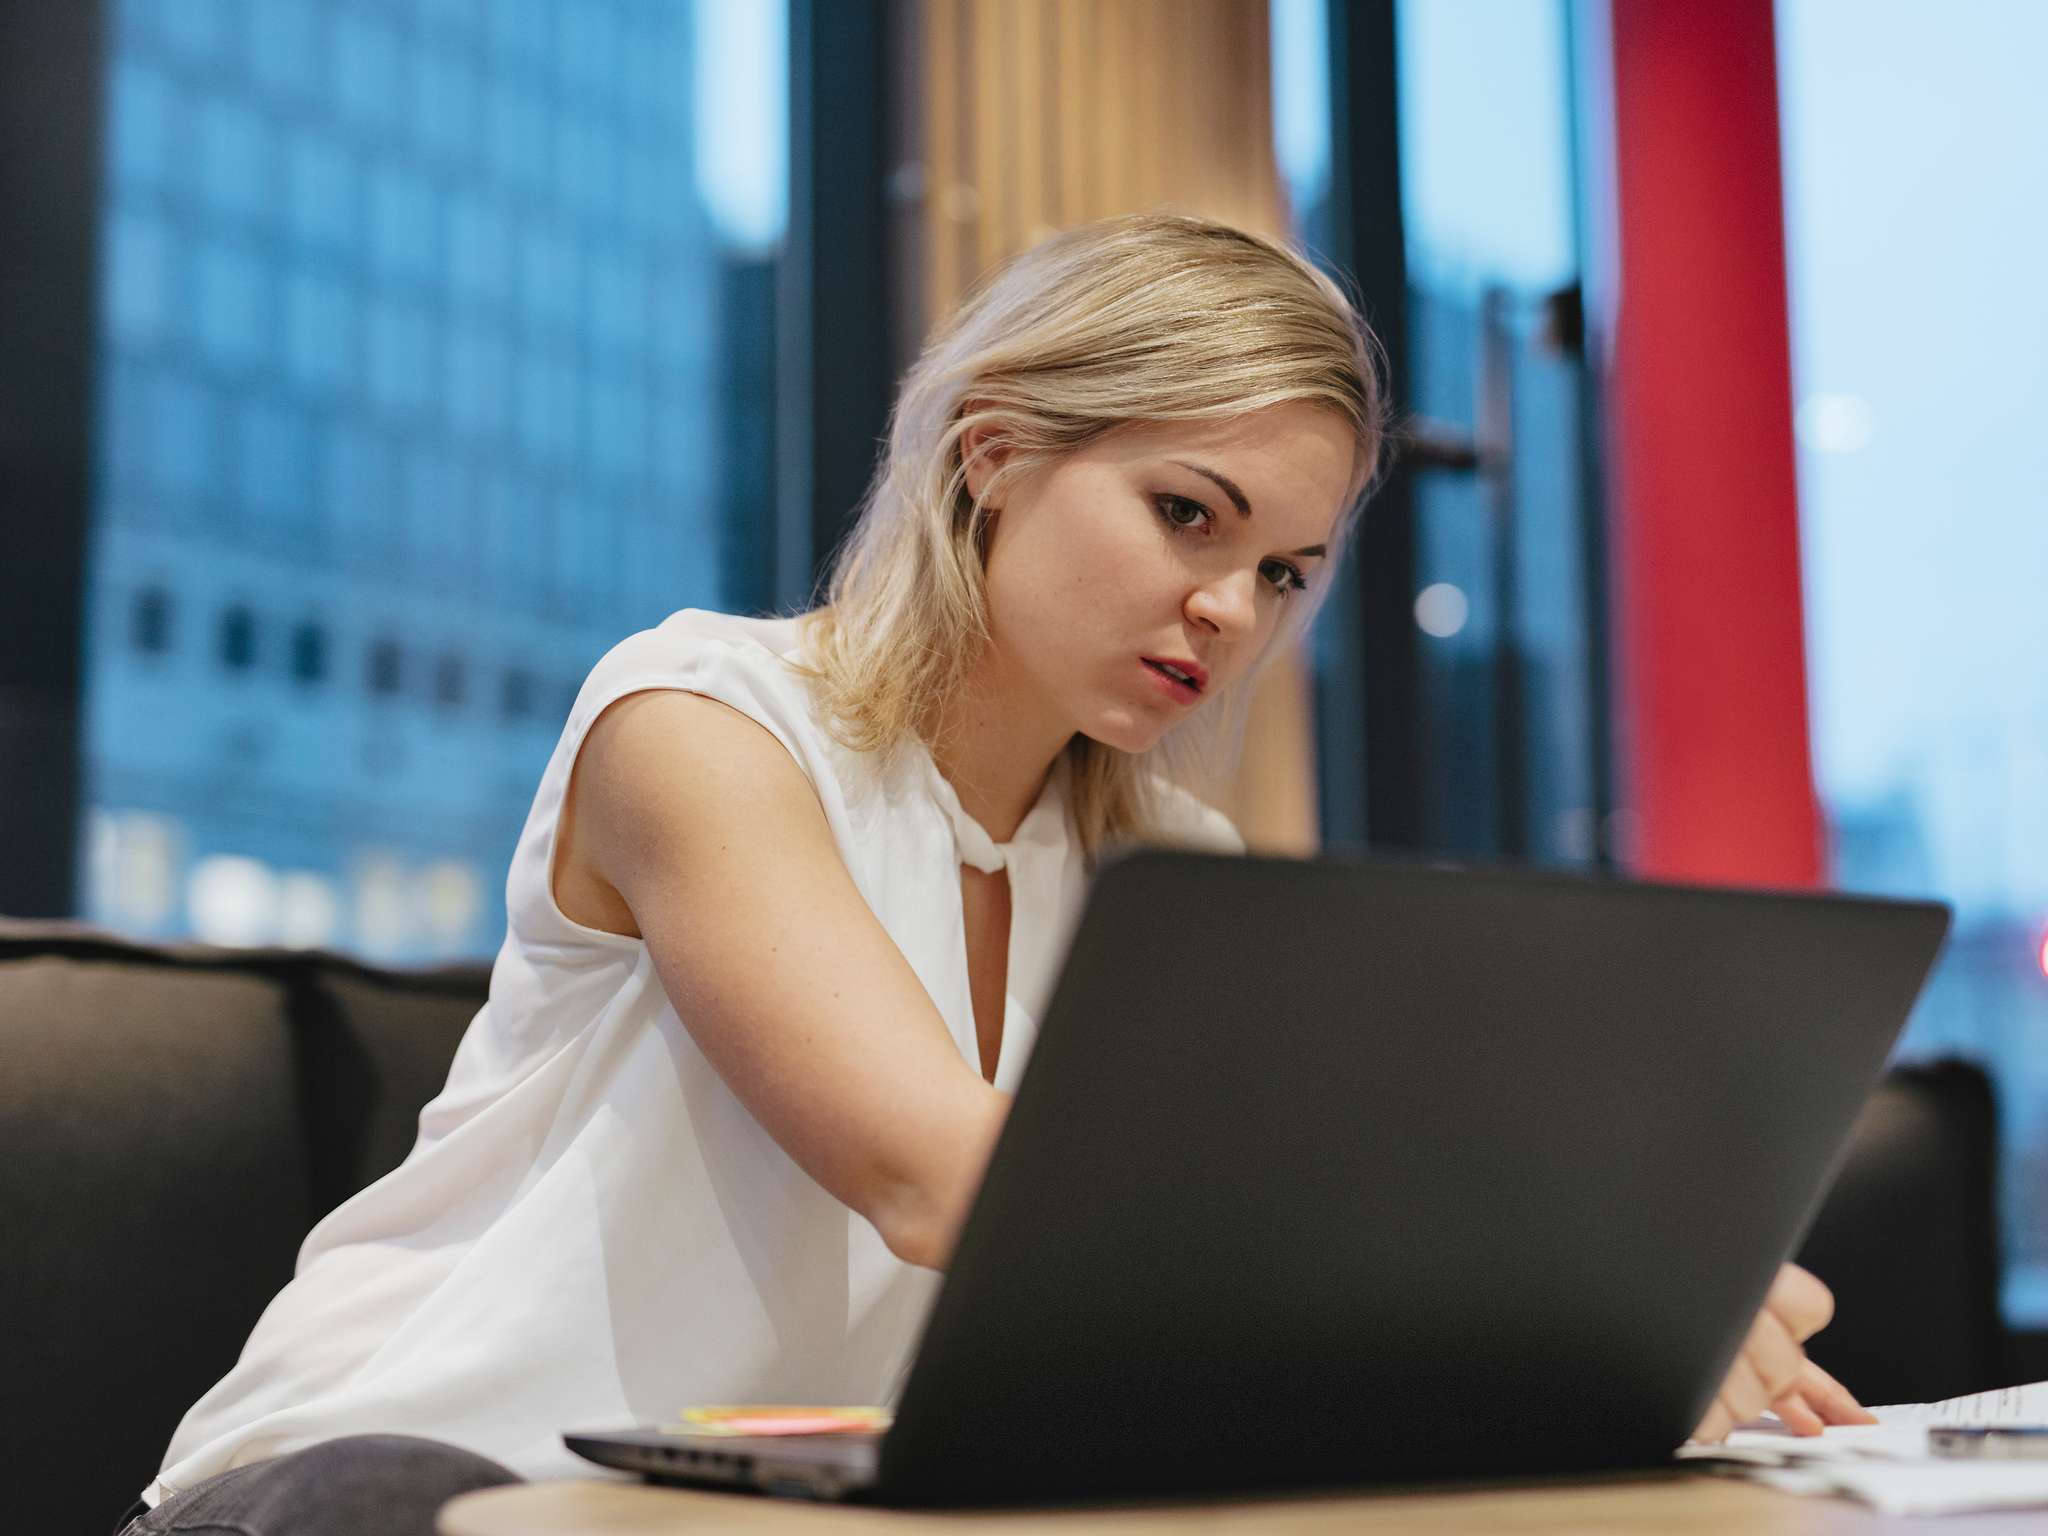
[400,358]
[234,160]
[404,217]
[192,31]
[320,325]
[1914,151]
[478,398]
[138,277]
[145,123]
[1506,667]
[184,436]
[480,250]
[446,107]
[285,47]
[231,302]
[368,85]
[1486,143]
[275,444]
[322,189]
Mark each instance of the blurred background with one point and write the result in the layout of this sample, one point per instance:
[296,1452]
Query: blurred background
[372,366]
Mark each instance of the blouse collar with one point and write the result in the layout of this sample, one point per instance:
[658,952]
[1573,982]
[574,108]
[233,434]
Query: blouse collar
[1044,825]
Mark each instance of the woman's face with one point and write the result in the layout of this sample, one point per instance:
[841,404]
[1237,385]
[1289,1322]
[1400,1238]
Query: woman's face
[1137,578]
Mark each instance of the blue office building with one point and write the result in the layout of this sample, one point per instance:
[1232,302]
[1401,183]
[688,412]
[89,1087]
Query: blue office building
[427,374]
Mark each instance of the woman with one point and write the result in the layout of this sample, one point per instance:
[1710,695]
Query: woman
[792,893]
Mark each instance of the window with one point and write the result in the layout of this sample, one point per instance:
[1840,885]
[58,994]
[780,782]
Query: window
[238,639]
[1913,144]
[451,682]
[433,313]
[385,670]
[1507,685]
[152,630]
[515,697]
[309,653]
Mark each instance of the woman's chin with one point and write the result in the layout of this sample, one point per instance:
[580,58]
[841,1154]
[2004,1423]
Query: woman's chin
[1126,731]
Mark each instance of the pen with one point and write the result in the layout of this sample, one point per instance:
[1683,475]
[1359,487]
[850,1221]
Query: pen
[2005,1442]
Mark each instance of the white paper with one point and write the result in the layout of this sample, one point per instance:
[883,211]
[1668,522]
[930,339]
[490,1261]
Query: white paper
[1932,1487]
[1888,1465]
[2001,1405]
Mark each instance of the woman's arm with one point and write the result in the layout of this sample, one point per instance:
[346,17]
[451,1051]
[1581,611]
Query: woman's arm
[702,826]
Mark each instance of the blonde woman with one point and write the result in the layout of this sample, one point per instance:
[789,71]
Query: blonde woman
[791,897]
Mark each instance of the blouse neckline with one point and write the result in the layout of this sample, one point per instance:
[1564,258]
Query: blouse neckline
[1044,826]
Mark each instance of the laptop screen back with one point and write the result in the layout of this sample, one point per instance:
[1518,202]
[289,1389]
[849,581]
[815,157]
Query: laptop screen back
[1337,1172]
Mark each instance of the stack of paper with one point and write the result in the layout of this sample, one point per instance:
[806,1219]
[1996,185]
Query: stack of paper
[1887,1464]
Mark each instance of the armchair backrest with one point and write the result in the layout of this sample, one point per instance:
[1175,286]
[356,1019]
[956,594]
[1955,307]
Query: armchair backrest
[173,1120]
[1908,1240]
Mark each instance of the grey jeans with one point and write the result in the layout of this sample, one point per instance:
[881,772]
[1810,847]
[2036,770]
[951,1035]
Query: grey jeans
[391,1485]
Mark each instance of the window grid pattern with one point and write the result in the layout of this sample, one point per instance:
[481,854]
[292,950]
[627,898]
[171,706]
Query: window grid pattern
[410,406]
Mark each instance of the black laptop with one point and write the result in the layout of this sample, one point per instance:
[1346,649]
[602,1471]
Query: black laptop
[1334,1173]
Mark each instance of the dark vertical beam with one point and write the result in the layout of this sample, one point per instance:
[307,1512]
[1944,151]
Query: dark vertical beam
[1381,682]
[1495,415]
[52,94]
[1587,333]
[835,332]
[748,457]
[1593,581]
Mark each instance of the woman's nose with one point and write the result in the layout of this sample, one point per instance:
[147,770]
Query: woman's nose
[1228,605]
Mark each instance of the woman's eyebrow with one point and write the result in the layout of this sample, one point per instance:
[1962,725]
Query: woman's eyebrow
[1238,499]
[1228,485]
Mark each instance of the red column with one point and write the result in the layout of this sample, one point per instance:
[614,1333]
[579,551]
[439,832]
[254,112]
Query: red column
[1711,689]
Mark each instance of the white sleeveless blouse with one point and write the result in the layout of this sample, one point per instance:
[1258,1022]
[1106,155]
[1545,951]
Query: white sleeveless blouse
[591,1230]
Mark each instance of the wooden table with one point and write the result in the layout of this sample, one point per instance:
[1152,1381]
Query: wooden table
[1676,1503]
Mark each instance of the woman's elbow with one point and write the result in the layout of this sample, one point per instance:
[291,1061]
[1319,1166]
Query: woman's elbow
[920,1204]
[909,1226]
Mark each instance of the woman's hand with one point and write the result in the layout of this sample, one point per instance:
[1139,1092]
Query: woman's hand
[1773,1372]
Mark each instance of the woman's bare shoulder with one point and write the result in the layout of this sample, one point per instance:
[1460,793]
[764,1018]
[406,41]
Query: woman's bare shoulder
[659,772]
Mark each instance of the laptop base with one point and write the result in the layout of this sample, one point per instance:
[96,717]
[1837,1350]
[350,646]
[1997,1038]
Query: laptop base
[837,1468]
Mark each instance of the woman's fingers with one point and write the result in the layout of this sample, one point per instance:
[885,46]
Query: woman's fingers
[1833,1402]
[1744,1391]
[1773,1372]
[1774,1355]
[1818,1400]
[1715,1426]
[1799,1301]
[1767,1368]
[1797,1414]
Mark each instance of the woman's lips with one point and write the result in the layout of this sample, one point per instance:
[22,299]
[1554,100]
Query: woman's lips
[1193,671]
[1180,692]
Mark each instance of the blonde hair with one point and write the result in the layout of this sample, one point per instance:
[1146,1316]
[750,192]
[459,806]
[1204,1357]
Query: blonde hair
[1147,318]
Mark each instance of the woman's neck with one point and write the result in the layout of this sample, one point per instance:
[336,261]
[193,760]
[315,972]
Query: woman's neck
[995,749]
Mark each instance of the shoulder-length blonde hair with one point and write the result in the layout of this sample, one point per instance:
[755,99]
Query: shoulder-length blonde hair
[1148,318]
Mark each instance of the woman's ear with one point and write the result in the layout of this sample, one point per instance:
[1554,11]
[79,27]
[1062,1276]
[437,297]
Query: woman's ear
[982,451]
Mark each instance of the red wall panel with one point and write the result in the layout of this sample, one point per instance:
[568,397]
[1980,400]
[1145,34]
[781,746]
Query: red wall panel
[1709,635]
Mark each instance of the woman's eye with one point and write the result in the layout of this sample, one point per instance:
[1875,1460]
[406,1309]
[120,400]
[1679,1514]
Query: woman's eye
[1181,512]
[1284,577]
